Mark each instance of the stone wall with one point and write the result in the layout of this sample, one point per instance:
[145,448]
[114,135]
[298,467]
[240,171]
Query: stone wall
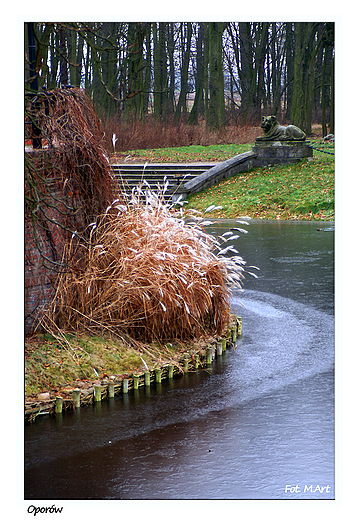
[281,152]
[239,163]
[39,279]
[262,154]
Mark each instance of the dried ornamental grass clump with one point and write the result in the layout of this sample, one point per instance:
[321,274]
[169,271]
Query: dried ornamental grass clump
[148,274]
[75,154]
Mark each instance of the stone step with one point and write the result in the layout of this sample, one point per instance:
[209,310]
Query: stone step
[132,175]
[154,177]
[164,166]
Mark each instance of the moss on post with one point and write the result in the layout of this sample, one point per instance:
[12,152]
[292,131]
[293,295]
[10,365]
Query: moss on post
[186,365]
[97,393]
[233,335]
[111,389]
[58,405]
[125,388]
[76,397]
[158,375]
[197,361]
[239,326]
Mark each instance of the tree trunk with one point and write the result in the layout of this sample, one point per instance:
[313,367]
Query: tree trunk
[260,55]
[147,72]
[95,85]
[246,56]
[79,60]
[327,86]
[198,105]
[289,54]
[71,37]
[332,98]
[232,29]
[313,48]
[184,74]
[54,60]
[304,74]
[298,97]
[64,78]
[87,73]
[324,101]
[216,113]
[134,105]
[160,70]
[170,50]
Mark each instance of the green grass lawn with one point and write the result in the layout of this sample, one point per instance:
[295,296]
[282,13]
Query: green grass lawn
[304,190]
[300,191]
[184,154]
[52,363]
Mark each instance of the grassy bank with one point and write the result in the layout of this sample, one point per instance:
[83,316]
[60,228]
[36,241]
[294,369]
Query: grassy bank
[302,191]
[51,364]
[58,364]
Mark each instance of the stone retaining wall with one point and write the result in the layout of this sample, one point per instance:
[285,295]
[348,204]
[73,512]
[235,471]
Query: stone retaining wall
[239,163]
[44,244]
[281,152]
[262,154]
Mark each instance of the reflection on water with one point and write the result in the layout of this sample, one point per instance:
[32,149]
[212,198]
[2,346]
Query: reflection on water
[258,423]
[296,259]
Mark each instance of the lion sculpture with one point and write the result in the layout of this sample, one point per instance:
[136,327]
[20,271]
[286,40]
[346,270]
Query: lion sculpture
[275,132]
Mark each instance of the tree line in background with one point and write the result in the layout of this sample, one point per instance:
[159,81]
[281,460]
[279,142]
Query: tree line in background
[223,73]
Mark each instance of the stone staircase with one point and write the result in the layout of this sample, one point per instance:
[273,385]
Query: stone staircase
[186,179]
[131,175]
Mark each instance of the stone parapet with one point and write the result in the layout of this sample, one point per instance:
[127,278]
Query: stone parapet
[262,154]
[281,152]
[239,163]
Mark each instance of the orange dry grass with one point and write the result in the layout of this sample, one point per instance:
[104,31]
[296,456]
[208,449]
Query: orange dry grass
[147,274]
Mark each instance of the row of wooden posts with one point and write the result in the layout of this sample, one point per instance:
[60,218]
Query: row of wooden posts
[111,388]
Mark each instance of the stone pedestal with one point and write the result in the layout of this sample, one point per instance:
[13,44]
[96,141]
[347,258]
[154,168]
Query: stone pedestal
[281,152]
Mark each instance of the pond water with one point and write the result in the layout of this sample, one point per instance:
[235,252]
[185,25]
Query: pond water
[259,424]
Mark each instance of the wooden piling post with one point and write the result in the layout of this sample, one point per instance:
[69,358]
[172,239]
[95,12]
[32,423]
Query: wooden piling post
[97,393]
[136,381]
[233,335]
[111,389]
[158,375]
[186,365]
[223,344]
[239,325]
[197,361]
[125,386]
[208,355]
[76,397]
[219,348]
[147,378]
[58,404]
[171,371]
